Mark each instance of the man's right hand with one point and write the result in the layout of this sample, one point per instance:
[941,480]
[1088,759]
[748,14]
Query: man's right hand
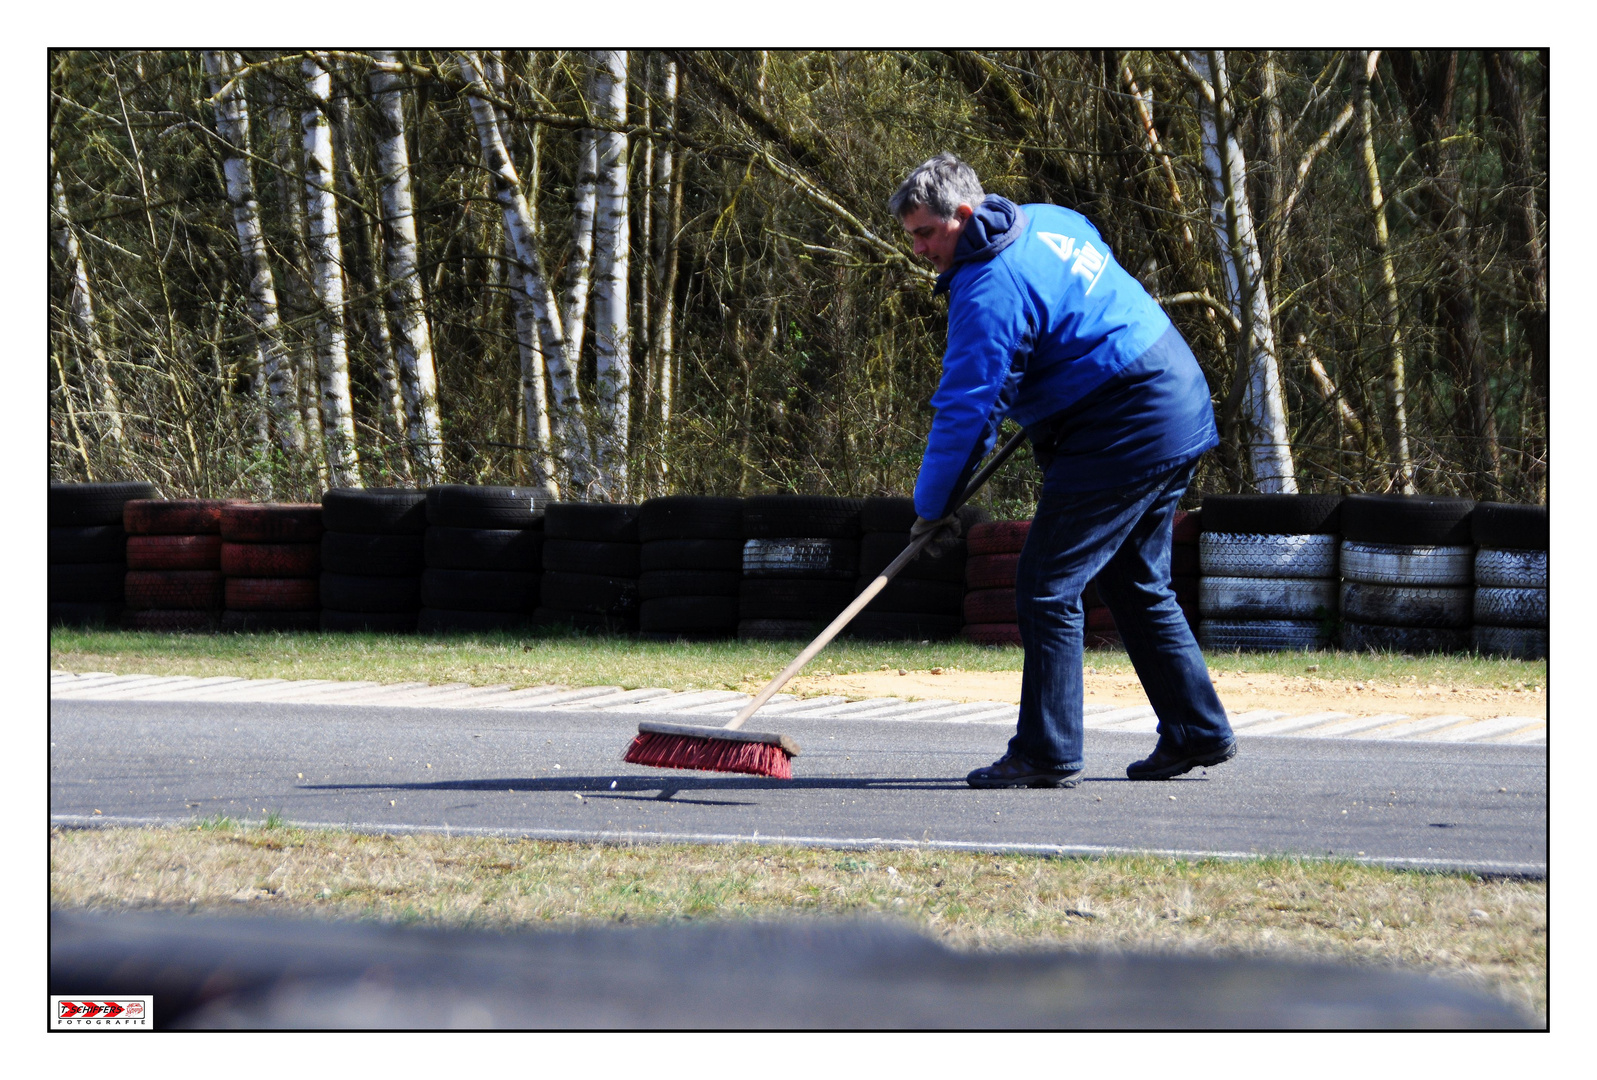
[945,531]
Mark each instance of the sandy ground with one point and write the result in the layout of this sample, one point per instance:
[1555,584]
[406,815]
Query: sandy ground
[1240,693]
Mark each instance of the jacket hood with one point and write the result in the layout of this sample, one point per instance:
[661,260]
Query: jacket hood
[995,225]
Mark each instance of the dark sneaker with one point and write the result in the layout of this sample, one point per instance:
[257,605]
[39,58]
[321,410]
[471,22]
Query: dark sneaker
[1169,760]
[1011,770]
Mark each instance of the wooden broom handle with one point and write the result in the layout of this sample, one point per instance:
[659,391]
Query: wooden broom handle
[869,592]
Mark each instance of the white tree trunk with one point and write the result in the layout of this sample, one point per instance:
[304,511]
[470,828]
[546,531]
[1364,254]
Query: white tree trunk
[668,181]
[418,376]
[338,415]
[99,388]
[584,200]
[275,365]
[1263,402]
[612,339]
[571,429]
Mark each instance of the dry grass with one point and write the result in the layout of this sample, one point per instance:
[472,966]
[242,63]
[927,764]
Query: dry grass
[1492,933]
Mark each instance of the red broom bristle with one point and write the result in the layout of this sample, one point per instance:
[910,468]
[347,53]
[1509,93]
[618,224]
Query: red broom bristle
[709,755]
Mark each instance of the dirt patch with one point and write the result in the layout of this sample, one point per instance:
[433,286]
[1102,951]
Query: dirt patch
[1240,693]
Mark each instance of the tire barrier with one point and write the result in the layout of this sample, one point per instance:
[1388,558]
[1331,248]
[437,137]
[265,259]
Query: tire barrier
[174,578]
[372,559]
[1271,560]
[271,558]
[988,609]
[1407,566]
[485,555]
[800,561]
[690,563]
[1510,607]
[598,553]
[923,602]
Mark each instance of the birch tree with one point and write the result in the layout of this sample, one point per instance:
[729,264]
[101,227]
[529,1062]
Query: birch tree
[584,202]
[667,184]
[612,342]
[338,414]
[1395,417]
[98,381]
[413,350]
[1258,379]
[273,363]
[571,429]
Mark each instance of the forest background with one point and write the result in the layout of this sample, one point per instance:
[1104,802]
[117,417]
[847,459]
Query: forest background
[625,274]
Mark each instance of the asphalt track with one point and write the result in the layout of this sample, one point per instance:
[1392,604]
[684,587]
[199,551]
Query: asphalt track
[558,775]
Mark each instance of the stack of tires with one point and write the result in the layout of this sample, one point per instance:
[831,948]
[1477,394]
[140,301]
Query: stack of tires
[174,579]
[271,563]
[992,553]
[590,567]
[88,551]
[1408,565]
[1510,608]
[1186,564]
[691,561]
[372,559]
[800,561]
[1269,571]
[925,600]
[484,552]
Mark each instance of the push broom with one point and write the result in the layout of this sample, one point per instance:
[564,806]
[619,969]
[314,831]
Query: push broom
[764,753]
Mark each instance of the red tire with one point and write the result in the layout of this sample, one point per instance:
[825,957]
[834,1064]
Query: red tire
[272,594]
[173,590]
[168,517]
[158,619]
[271,560]
[997,537]
[272,523]
[201,552]
[1188,524]
[1099,621]
[990,606]
[991,633]
[991,571]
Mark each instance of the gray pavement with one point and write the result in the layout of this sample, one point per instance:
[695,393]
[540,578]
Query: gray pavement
[539,770]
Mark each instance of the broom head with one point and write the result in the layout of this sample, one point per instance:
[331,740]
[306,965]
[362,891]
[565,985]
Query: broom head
[712,749]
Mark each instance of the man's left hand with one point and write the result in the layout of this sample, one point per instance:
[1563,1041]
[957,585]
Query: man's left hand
[945,532]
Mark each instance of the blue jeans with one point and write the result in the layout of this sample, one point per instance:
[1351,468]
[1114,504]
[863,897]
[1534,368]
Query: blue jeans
[1122,536]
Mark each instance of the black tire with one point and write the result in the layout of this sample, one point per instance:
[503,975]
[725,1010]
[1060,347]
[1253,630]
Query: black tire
[473,506]
[780,629]
[689,614]
[1408,605]
[664,584]
[357,592]
[1511,607]
[1506,525]
[1511,568]
[373,554]
[93,504]
[612,597]
[479,590]
[585,621]
[1520,642]
[899,626]
[1263,635]
[770,516]
[1291,515]
[86,583]
[1253,598]
[88,544]
[590,557]
[297,622]
[368,622]
[896,514]
[85,614]
[610,523]
[171,620]
[723,554]
[450,621]
[1416,640]
[375,510]
[911,597]
[877,549]
[1405,519]
[1406,564]
[690,517]
[794,598]
[1283,555]
[816,557]
[484,549]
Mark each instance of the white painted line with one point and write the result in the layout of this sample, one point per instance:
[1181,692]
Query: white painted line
[182,693]
[266,690]
[1248,719]
[1353,726]
[1120,716]
[117,685]
[1529,737]
[1292,725]
[1481,729]
[685,700]
[1423,725]
[320,692]
[628,697]
[799,705]
[565,697]
[527,698]
[731,708]
[1093,710]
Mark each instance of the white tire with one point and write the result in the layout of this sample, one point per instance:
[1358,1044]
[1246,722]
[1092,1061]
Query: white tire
[1522,642]
[801,556]
[1259,555]
[1511,569]
[1408,605]
[1266,598]
[1511,607]
[1263,635]
[1407,564]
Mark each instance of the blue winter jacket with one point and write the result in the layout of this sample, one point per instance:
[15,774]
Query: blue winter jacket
[1047,329]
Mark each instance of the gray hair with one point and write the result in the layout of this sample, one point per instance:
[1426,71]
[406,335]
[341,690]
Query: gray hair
[940,184]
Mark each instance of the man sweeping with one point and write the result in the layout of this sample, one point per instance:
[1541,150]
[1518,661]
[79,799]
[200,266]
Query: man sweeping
[1046,329]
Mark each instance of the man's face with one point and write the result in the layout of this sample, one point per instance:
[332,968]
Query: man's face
[935,239]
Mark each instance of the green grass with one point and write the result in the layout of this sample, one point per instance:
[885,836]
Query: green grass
[579,660]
